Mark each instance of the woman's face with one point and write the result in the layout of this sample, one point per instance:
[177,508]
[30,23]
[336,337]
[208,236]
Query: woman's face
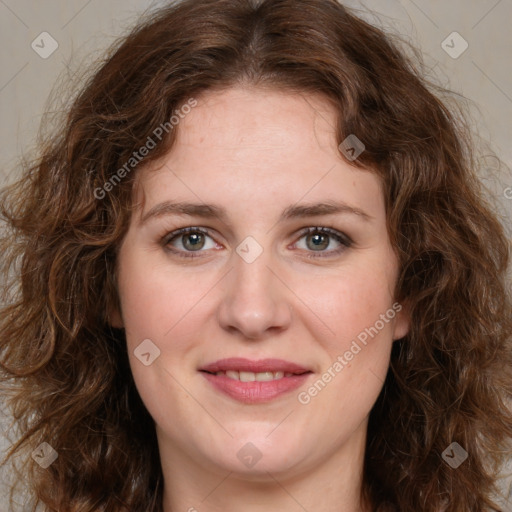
[248,284]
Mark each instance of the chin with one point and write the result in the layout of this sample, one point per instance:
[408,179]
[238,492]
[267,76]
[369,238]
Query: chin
[254,456]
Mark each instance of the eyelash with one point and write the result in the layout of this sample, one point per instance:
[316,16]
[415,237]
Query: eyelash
[342,238]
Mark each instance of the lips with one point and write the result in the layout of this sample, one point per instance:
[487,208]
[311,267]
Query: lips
[253,382]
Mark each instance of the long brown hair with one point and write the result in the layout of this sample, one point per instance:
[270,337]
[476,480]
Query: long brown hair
[65,370]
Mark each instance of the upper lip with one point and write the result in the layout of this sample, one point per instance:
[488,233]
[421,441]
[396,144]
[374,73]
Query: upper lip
[247,365]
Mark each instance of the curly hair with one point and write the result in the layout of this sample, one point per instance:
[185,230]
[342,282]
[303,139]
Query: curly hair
[65,369]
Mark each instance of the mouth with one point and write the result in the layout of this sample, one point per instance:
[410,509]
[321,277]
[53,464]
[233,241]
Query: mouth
[253,382]
[253,377]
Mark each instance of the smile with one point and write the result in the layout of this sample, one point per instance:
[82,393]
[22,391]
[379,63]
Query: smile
[251,376]
[252,382]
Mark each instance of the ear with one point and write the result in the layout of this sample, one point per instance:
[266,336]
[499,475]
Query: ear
[402,322]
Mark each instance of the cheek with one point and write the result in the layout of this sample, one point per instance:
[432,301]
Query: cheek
[349,302]
[165,308]
[357,354]
[156,302]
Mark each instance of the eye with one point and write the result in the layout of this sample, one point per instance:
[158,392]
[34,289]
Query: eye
[188,240]
[318,239]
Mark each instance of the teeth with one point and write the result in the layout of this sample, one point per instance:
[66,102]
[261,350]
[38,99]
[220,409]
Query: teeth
[247,377]
[251,376]
[265,376]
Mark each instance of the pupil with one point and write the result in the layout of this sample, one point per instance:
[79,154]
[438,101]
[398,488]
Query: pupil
[317,241]
[196,240]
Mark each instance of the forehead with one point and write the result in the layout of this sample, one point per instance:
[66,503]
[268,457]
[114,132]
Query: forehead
[256,145]
[251,116]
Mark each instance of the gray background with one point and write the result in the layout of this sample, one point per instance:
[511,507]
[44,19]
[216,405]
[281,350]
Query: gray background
[83,28]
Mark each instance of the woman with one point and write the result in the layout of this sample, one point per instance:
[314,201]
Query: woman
[257,272]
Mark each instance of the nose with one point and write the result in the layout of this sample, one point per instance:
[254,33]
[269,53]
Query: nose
[255,302]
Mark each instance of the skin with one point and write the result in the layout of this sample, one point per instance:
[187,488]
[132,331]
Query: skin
[255,152]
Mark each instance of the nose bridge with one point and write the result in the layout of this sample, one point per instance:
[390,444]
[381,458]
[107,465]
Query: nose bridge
[252,275]
[254,300]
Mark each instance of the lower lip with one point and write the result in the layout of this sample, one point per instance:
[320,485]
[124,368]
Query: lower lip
[255,392]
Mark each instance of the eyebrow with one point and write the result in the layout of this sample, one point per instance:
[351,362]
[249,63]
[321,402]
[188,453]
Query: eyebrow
[209,211]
